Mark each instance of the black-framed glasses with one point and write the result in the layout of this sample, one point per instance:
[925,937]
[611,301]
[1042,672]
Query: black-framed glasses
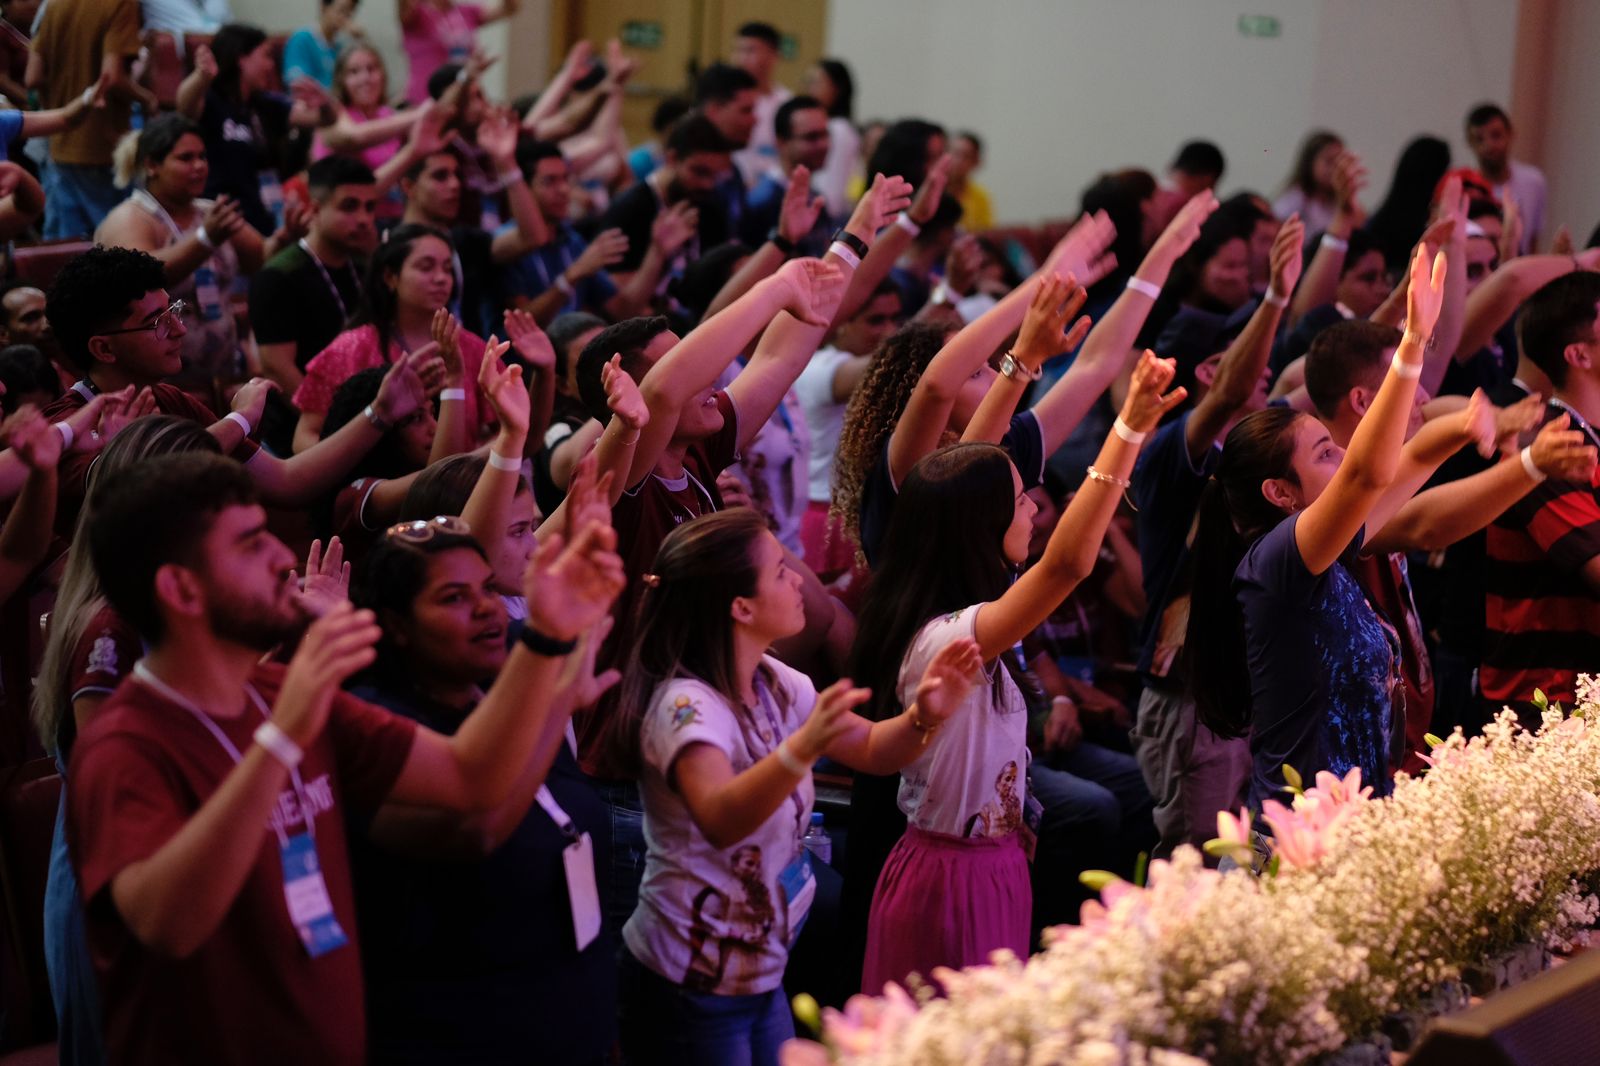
[163,326]
[422,530]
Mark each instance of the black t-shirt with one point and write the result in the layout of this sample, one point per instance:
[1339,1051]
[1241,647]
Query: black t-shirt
[476,961]
[291,301]
[634,212]
[479,312]
[243,142]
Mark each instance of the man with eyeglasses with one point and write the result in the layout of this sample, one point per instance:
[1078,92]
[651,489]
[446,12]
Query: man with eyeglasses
[117,327]
[803,141]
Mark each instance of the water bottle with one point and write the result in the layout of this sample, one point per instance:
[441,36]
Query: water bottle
[817,840]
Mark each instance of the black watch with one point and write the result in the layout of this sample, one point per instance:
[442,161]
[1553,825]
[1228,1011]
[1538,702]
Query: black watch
[540,644]
[852,242]
[784,244]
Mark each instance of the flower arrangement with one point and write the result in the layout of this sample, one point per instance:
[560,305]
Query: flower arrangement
[1358,908]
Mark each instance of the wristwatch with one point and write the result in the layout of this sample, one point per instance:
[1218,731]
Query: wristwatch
[1012,367]
[782,243]
[852,242]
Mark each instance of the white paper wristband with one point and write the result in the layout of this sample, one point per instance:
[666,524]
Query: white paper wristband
[789,761]
[1409,371]
[907,223]
[1139,285]
[1531,467]
[1127,432]
[453,394]
[1274,297]
[68,435]
[241,421]
[504,462]
[845,252]
[1338,244]
[278,745]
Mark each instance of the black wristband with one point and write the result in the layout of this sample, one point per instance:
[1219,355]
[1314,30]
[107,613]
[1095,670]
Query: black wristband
[852,242]
[783,244]
[549,647]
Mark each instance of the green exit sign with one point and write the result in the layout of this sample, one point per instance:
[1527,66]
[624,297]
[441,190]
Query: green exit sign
[646,36]
[788,47]
[1259,26]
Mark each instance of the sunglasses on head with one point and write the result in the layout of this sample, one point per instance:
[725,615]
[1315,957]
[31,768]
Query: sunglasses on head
[423,530]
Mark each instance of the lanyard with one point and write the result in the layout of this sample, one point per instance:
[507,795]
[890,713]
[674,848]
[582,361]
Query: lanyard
[1577,420]
[769,712]
[145,675]
[143,198]
[563,821]
[565,254]
[327,278]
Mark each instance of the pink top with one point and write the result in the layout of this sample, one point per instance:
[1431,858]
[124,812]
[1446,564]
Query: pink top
[375,155]
[433,38]
[356,350]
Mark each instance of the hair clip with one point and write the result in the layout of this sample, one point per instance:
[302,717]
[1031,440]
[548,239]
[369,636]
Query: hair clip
[651,581]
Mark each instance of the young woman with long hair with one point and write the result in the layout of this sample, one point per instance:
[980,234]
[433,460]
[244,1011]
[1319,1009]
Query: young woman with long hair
[1282,644]
[723,737]
[1309,191]
[956,886]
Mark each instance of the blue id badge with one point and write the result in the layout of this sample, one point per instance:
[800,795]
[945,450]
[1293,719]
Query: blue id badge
[306,893]
[799,887]
[271,194]
[207,293]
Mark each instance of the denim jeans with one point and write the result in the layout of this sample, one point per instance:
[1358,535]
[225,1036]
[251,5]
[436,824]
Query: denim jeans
[664,1024]
[627,849]
[66,958]
[77,199]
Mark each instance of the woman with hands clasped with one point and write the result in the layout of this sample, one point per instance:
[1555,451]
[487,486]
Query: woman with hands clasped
[1282,644]
[724,737]
[956,886]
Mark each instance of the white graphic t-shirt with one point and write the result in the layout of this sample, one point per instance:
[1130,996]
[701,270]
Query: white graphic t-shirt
[721,919]
[971,778]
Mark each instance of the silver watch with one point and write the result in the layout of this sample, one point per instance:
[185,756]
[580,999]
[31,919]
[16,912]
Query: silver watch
[1011,367]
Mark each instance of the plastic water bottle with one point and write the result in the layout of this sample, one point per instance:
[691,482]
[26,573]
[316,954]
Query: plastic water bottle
[817,840]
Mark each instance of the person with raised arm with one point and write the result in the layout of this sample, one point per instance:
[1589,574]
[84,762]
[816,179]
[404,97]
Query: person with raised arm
[207,803]
[956,886]
[1282,645]
[723,737]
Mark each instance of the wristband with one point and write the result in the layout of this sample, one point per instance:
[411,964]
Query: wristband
[845,252]
[1109,479]
[787,758]
[563,284]
[504,462]
[88,96]
[1403,369]
[1531,467]
[239,420]
[377,420]
[780,242]
[1127,432]
[540,644]
[68,435]
[850,241]
[1338,244]
[462,76]
[204,238]
[909,224]
[1274,297]
[278,745]
[453,394]
[1138,284]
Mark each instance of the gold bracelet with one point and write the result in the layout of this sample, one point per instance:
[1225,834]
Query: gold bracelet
[1119,482]
[914,716]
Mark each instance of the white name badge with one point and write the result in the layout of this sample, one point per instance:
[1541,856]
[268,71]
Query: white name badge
[578,857]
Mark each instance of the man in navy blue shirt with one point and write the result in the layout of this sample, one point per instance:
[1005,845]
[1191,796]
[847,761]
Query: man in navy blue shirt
[803,142]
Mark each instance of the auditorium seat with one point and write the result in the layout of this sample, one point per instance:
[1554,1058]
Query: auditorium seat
[38,264]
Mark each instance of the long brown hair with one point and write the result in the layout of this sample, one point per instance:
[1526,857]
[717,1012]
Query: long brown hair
[685,624]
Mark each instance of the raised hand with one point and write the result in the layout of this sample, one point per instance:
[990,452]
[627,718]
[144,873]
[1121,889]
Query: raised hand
[1145,406]
[578,677]
[32,438]
[800,209]
[948,681]
[588,496]
[1184,228]
[1084,253]
[672,229]
[887,197]
[623,396]
[1425,292]
[205,63]
[814,289]
[607,249]
[502,387]
[1562,453]
[1478,423]
[1513,420]
[523,331]
[1349,178]
[1562,244]
[733,491]
[827,721]
[251,399]
[334,647]
[122,407]
[931,191]
[296,221]
[497,136]
[403,389]
[326,583]
[1044,328]
[571,584]
[1511,229]
[1285,258]
[446,332]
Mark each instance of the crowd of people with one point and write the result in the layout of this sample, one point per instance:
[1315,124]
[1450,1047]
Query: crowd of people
[629,585]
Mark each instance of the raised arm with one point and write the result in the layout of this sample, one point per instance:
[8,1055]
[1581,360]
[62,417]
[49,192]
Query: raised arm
[612,455]
[192,90]
[1492,304]
[25,537]
[1452,315]
[669,232]
[489,507]
[1322,275]
[349,135]
[1075,544]
[1044,334]
[1328,525]
[796,215]
[497,135]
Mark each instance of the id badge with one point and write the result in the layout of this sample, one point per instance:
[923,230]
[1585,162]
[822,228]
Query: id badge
[306,893]
[207,294]
[799,886]
[271,194]
[578,857]
[1032,818]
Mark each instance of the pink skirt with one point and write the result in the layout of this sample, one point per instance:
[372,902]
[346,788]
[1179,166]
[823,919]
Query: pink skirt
[946,901]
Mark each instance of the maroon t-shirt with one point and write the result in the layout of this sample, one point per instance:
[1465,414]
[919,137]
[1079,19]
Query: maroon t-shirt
[251,993]
[350,517]
[73,475]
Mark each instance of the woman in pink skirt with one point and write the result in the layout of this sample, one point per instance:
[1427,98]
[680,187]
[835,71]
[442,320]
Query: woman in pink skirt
[956,887]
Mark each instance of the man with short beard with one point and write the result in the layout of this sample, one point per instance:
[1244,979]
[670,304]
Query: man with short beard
[208,797]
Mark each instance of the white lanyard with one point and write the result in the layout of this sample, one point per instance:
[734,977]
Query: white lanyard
[333,290]
[1577,419]
[152,205]
[144,674]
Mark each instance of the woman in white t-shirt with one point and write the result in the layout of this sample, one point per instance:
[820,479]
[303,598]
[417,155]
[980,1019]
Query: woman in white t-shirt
[955,888]
[723,737]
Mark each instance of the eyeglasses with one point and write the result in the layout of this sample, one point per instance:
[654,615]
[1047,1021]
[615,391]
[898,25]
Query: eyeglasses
[423,530]
[163,326]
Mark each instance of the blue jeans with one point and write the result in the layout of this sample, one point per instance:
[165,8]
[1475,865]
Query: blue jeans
[664,1024]
[66,958]
[627,850]
[77,199]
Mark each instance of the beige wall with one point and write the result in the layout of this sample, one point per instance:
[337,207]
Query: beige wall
[1572,119]
[1065,90]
